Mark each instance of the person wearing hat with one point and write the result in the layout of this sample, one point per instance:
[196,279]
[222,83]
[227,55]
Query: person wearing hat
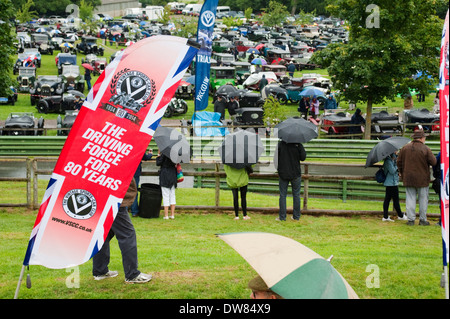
[260,290]
[413,164]
[330,103]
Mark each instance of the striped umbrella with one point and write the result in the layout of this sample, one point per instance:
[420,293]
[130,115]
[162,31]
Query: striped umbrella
[289,268]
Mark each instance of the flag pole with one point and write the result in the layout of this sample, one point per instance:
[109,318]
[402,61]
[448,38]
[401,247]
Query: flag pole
[16,295]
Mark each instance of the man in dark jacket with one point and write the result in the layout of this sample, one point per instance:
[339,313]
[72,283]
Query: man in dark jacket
[220,105]
[287,162]
[414,163]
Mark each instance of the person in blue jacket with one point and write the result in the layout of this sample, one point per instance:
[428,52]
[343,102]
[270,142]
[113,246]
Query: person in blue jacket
[391,184]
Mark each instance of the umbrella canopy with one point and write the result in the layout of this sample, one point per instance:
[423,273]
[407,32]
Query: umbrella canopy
[385,148]
[253,50]
[296,130]
[66,45]
[226,89]
[259,61]
[260,46]
[289,268]
[311,91]
[190,79]
[76,93]
[172,144]
[87,66]
[240,149]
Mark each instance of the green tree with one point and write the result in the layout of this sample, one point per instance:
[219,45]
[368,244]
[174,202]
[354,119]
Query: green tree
[7,14]
[388,44]
[25,14]
[274,111]
[275,14]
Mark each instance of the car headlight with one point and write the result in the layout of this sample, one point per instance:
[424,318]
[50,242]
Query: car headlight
[52,90]
[39,89]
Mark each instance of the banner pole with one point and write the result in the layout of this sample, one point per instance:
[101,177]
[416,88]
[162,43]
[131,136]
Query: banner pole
[16,295]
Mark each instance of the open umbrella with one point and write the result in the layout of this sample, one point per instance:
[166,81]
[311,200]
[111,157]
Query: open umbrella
[66,45]
[172,144]
[240,149]
[311,91]
[289,268]
[259,61]
[87,66]
[253,50]
[296,130]
[385,148]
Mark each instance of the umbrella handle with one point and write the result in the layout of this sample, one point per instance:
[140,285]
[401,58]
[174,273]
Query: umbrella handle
[329,258]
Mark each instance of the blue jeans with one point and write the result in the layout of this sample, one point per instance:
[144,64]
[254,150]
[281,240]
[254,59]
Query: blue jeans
[296,187]
[135,205]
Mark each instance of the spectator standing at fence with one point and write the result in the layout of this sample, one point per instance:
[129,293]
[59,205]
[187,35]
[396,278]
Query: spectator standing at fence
[391,183]
[220,105]
[314,107]
[357,120]
[287,162]
[414,163]
[168,182]
[303,107]
[330,103]
[137,177]
[237,180]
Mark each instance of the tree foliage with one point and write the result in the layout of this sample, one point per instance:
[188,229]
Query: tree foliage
[388,44]
[7,14]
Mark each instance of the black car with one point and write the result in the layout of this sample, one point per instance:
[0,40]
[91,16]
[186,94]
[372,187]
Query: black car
[10,98]
[66,123]
[26,78]
[72,78]
[46,85]
[22,123]
[42,42]
[65,59]
[58,104]
[89,45]
[249,116]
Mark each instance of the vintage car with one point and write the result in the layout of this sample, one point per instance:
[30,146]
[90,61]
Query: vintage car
[65,59]
[423,117]
[185,90]
[223,59]
[34,54]
[10,98]
[336,123]
[89,58]
[385,123]
[44,86]
[221,75]
[242,70]
[23,123]
[249,116]
[278,69]
[41,41]
[26,78]
[99,65]
[246,98]
[279,92]
[88,45]
[24,59]
[72,78]
[58,104]
[65,124]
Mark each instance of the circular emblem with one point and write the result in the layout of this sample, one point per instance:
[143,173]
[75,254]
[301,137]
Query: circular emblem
[79,204]
[208,18]
[135,85]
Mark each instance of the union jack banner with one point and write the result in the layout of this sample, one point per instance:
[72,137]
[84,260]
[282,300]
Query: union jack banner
[103,149]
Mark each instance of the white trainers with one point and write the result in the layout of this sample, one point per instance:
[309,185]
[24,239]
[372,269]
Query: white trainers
[246,218]
[387,219]
[166,217]
[140,279]
[236,218]
[109,274]
[403,218]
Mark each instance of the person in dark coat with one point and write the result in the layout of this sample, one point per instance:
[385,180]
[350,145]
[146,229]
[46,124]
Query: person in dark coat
[137,177]
[87,77]
[303,107]
[168,183]
[262,83]
[220,105]
[357,118]
[287,162]
[291,69]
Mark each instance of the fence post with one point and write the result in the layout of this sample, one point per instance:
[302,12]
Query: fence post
[344,190]
[217,192]
[305,189]
[29,200]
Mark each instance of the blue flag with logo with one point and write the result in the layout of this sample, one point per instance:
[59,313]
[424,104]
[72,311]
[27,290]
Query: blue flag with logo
[206,21]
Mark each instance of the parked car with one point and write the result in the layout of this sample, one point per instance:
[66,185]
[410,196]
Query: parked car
[44,86]
[41,41]
[65,59]
[65,124]
[88,45]
[26,78]
[99,65]
[72,78]
[221,75]
[249,116]
[10,98]
[57,104]
[242,71]
[22,123]
[428,120]
[35,55]
[383,122]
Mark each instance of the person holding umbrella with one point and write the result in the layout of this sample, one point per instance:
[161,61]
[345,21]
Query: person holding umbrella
[87,77]
[168,183]
[237,180]
[391,183]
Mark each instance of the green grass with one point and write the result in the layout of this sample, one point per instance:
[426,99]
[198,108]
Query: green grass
[188,261]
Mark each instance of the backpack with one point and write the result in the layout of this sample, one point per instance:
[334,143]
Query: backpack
[380,176]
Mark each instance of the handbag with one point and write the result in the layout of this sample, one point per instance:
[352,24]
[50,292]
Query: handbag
[180,176]
[380,176]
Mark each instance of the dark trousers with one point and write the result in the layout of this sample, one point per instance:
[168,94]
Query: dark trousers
[124,231]
[243,191]
[391,193]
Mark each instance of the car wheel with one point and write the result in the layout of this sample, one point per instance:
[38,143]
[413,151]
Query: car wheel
[168,112]
[42,106]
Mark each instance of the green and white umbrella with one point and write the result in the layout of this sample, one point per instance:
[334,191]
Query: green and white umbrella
[289,268]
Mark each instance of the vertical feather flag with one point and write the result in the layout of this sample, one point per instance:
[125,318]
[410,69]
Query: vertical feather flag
[444,135]
[104,147]
[205,29]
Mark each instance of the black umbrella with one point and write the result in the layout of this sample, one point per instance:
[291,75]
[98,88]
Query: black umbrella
[385,148]
[240,149]
[172,144]
[296,130]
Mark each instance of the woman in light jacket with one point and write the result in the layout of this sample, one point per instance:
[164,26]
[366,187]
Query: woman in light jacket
[391,184]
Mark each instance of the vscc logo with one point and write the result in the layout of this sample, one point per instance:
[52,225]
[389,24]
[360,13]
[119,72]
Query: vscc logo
[208,18]
[79,204]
